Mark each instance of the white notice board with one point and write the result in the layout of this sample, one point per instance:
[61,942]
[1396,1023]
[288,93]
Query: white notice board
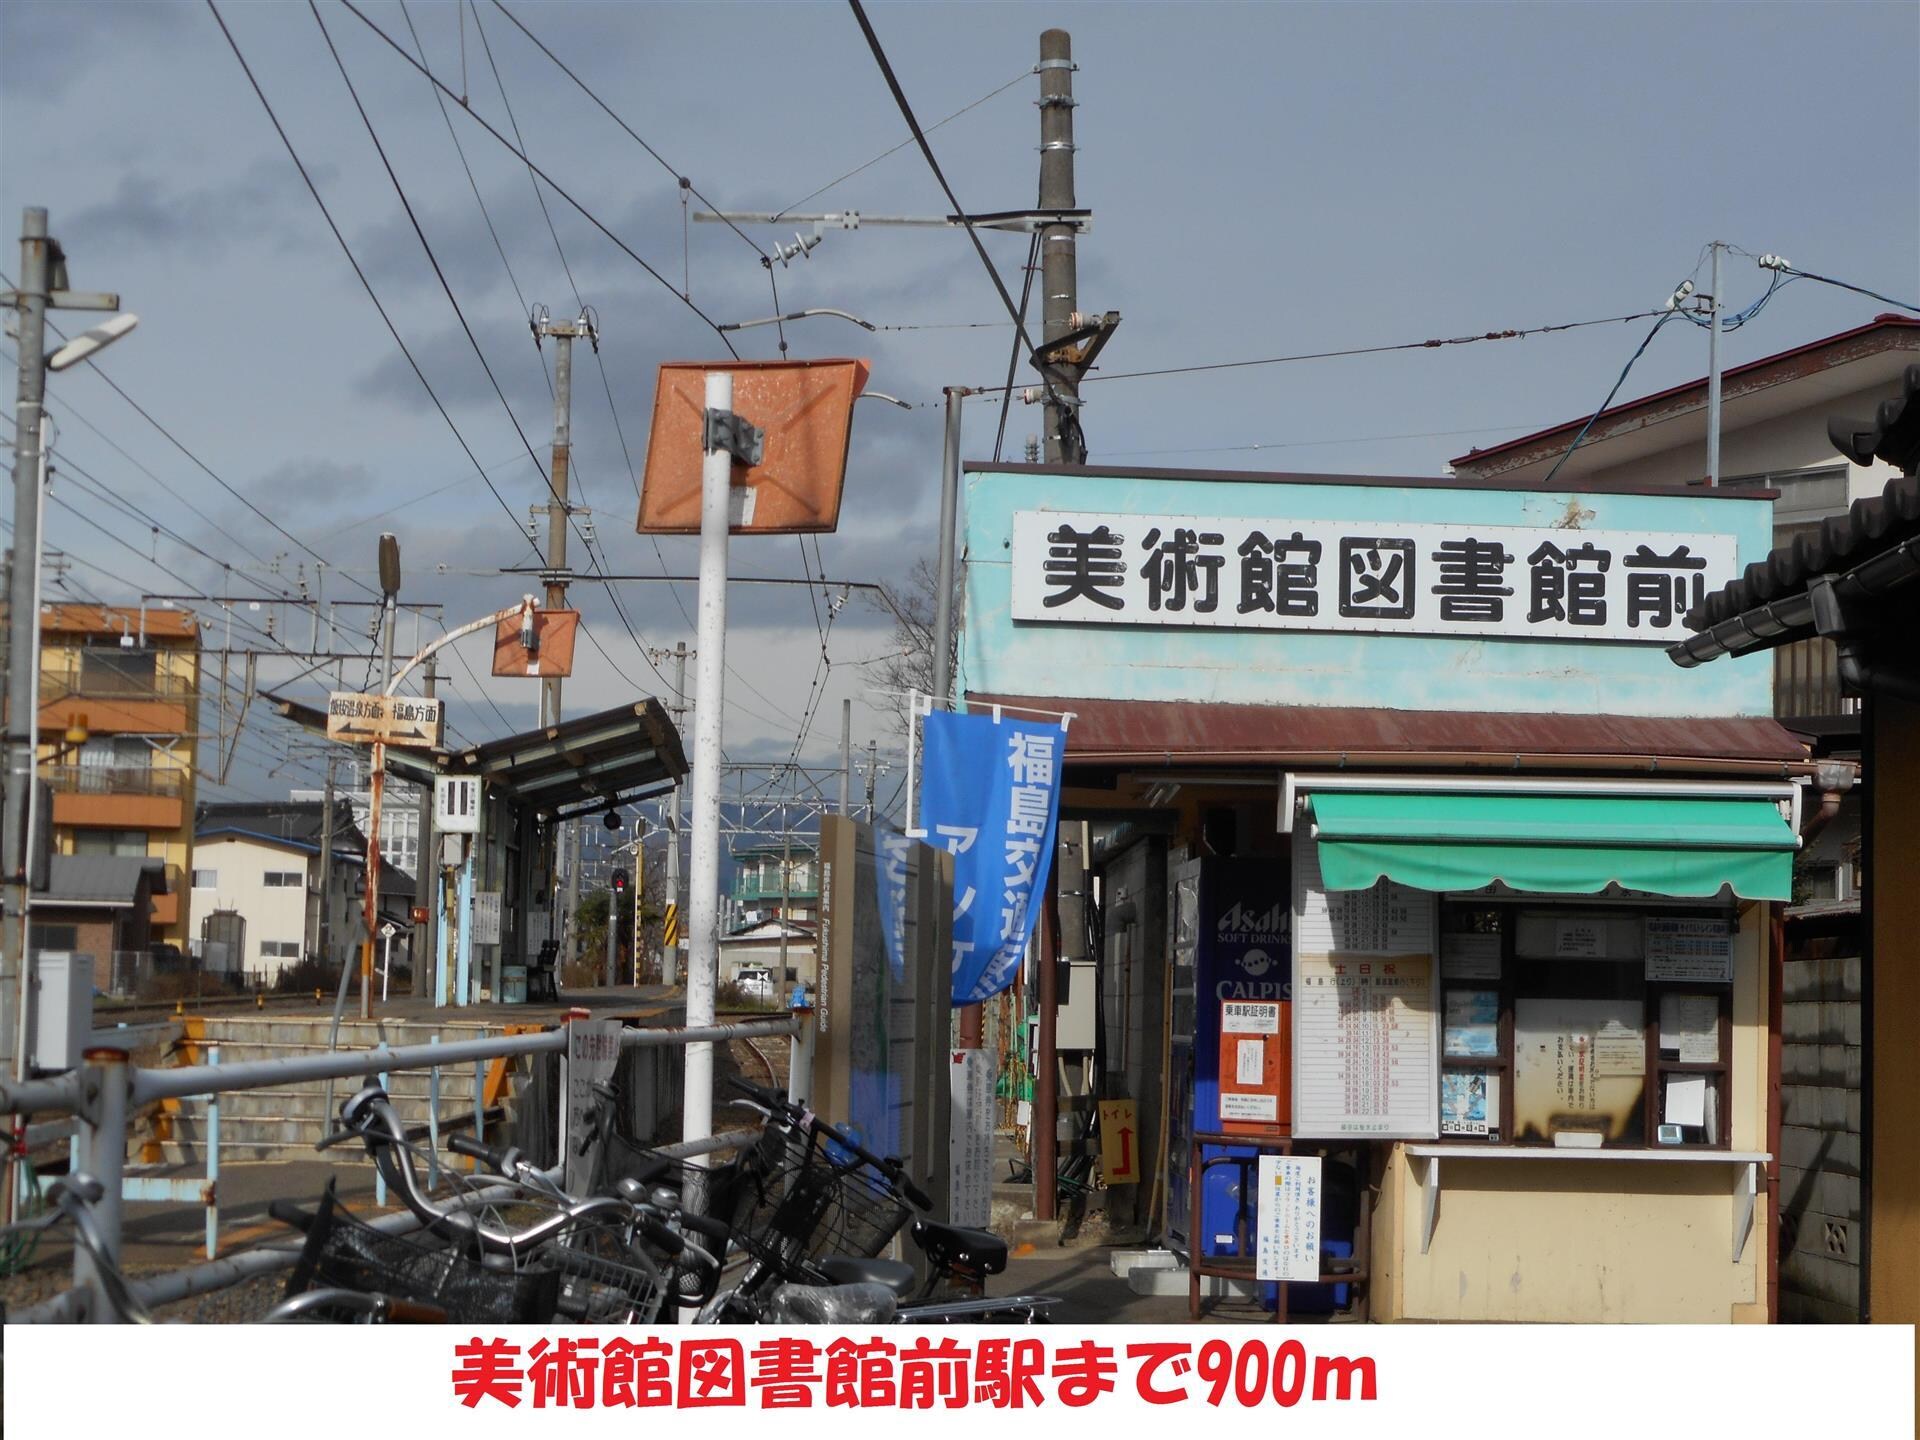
[1287,1242]
[1366,1021]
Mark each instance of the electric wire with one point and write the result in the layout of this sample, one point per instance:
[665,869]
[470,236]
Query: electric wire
[1618,382]
[1013,359]
[926,150]
[896,149]
[557,189]
[365,283]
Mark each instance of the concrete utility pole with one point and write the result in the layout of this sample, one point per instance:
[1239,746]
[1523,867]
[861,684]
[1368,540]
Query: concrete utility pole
[873,774]
[43,286]
[1059,266]
[786,889]
[324,930]
[426,872]
[557,510]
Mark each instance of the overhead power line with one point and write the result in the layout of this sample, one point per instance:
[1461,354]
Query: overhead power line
[361,274]
[557,188]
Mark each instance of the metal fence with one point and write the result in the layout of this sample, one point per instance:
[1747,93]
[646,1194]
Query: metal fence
[107,1088]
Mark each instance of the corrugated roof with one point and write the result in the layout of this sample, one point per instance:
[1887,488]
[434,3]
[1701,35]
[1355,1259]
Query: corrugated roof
[1150,732]
[117,620]
[100,879]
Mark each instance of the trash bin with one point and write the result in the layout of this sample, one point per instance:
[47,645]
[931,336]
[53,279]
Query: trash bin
[513,984]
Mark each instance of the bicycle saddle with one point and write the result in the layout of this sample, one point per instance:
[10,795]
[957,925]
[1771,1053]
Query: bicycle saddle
[893,1275]
[955,1247]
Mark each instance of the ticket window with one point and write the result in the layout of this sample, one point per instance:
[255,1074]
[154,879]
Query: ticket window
[1255,1067]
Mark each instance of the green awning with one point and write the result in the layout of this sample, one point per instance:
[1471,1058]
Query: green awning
[1566,844]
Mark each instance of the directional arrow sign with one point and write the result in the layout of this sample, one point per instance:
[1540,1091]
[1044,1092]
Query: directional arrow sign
[1119,1148]
[394,719]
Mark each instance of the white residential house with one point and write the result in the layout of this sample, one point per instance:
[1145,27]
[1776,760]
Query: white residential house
[257,882]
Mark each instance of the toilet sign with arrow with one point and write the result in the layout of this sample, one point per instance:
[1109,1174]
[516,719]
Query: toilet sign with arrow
[1119,1143]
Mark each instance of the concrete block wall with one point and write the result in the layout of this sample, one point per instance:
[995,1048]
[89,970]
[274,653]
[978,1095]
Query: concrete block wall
[1822,1221]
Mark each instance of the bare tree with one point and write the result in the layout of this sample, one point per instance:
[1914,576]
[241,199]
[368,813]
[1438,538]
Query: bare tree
[912,605]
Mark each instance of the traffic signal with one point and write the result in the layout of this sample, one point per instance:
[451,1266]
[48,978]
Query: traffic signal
[1893,435]
[619,882]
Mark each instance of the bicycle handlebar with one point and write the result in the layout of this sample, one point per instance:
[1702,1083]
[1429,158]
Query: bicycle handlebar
[503,1158]
[888,1166]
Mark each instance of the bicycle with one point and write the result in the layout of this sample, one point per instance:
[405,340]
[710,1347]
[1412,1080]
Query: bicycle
[819,1207]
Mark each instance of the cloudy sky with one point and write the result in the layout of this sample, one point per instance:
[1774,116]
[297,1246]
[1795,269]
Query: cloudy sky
[1266,180]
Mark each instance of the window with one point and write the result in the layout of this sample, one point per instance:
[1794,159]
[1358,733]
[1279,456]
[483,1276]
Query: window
[279,949]
[55,937]
[115,670]
[284,880]
[206,879]
[1585,1028]
[110,842]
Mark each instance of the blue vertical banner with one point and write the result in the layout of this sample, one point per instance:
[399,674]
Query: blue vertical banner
[991,796]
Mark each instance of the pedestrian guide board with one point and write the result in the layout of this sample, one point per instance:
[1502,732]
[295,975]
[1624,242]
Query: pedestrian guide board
[1366,1043]
[1525,583]
[970,1137]
[388,719]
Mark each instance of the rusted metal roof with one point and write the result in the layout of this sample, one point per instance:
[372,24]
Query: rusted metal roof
[117,620]
[1882,332]
[1153,732]
[1768,604]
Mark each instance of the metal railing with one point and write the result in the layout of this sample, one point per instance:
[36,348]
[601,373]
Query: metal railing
[114,780]
[105,685]
[106,1089]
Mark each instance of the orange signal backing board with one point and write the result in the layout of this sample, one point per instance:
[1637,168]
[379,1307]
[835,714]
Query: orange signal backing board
[806,409]
[555,631]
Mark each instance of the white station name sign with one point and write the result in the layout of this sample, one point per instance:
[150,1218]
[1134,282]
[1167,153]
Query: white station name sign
[1216,572]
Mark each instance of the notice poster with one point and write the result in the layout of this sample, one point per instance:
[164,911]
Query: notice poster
[1569,1078]
[1690,1029]
[1287,1243]
[593,1054]
[1469,957]
[1472,1023]
[1469,1102]
[1690,951]
[1366,1033]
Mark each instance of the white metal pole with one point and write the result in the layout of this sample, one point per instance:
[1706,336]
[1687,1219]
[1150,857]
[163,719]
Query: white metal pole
[703,904]
[1713,373]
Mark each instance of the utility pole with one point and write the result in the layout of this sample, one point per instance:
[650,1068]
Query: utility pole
[324,930]
[377,780]
[786,890]
[1059,265]
[43,285]
[873,774]
[1714,309]
[426,874]
[557,510]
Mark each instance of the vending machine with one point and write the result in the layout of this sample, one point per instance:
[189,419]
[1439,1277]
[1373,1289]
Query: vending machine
[1232,1063]
[1231,1035]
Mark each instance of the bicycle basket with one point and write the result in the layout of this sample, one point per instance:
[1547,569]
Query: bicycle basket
[605,1280]
[344,1252]
[809,1205]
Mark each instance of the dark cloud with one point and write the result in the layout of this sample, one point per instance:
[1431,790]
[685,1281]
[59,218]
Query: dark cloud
[45,45]
[259,205]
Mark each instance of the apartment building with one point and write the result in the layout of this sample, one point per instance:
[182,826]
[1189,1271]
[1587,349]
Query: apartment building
[119,713]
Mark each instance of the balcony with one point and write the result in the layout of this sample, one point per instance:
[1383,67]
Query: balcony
[108,702]
[120,797]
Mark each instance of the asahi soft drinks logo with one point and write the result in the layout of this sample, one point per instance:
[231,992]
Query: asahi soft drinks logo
[1261,963]
[1241,925]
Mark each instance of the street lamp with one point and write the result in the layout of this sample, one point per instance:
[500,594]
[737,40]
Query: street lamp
[799,315]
